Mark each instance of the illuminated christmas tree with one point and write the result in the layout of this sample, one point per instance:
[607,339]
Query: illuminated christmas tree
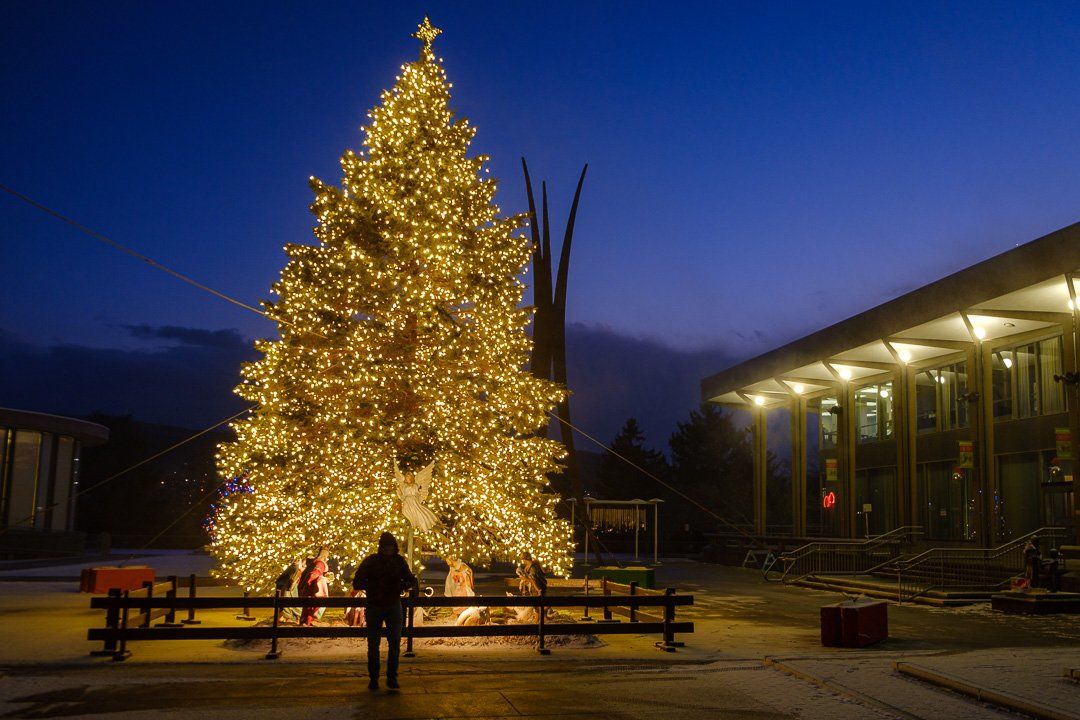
[402,344]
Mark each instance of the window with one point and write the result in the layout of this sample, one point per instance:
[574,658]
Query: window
[926,402]
[1024,384]
[23,486]
[1019,483]
[952,385]
[947,496]
[940,402]
[874,412]
[57,513]
[1001,364]
[829,422]
[875,498]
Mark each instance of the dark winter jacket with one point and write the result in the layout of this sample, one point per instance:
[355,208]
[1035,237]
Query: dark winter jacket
[383,577]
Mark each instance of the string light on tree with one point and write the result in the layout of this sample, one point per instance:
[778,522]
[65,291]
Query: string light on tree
[402,342]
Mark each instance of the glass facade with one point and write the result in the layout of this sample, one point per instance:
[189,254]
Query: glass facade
[874,413]
[1019,482]
[778,480]
[1023,380]
[875,500]
[947,500]
[22,481]
[939,398]
[37,475]
[822,481]
[830,423]
[56,516]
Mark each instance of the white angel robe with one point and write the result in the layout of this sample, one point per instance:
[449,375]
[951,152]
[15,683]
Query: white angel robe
[413,496]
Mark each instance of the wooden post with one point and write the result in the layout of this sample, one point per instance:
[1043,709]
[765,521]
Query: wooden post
[149,587]
[247,611]
[585,617]
[633,607]
[122,653]
[274,654]
[112,622]
[540,612]
[668,644]
[606,591]
[170,617]
[191,610]
[414,593]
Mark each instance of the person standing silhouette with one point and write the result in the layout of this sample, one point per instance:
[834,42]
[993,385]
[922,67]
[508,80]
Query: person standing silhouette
[384,576]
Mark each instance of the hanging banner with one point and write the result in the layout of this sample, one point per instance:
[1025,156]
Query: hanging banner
[831,469]
[966,458]
[1063,440]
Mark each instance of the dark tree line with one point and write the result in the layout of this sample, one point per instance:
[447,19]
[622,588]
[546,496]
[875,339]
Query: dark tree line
[173,490]
[711,462]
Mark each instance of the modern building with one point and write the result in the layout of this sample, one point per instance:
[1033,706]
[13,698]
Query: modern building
[39,471]
[955,407]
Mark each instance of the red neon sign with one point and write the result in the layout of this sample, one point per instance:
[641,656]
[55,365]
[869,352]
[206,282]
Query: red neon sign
[828,501]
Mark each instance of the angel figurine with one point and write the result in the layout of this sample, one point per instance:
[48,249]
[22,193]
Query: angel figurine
[413,490]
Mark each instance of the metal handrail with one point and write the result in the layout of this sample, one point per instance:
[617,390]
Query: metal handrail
[837,557]
[967,569]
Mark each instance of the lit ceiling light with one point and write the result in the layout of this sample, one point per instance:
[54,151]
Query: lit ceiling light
[1007,361]
[904,354]
[758,400]
[798,388]
[941,379]
[980,332]
[844,373]
[883,393]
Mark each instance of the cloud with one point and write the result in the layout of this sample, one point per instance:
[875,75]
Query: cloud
[188,385]
[228,339]
[189,382]
[615,376]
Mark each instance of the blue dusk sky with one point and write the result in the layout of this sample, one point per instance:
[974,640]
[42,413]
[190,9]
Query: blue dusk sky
[757,170]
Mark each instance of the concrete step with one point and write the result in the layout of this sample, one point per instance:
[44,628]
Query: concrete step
[1070,552]
[889,585]
[888,591]
[1037,603]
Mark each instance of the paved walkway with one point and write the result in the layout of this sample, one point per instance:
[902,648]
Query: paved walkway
[741,621]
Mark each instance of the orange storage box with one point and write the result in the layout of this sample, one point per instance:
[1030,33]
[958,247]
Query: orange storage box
[103,579]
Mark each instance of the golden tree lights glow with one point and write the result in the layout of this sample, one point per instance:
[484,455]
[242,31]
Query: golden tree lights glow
[402,340]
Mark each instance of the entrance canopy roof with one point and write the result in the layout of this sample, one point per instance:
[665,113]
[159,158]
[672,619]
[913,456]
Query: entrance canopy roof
[1029,288]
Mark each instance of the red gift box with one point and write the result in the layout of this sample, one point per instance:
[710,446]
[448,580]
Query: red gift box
[854,624]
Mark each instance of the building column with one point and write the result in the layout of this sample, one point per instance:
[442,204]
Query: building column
[982,427]
[760,451]
[845,448]
[904,436]
[798,467]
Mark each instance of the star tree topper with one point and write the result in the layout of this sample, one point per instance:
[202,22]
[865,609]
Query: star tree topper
[426,33]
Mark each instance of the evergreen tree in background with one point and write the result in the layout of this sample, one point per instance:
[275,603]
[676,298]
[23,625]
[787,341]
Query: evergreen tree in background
[622,481]
[713,462]
[402,343]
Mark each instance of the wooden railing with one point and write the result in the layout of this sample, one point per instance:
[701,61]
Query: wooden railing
[609,589]
[122,626]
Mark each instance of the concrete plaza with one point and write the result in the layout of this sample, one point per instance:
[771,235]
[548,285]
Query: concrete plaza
[755,654]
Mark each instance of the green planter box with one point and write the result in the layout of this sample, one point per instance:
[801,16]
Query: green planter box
[643,576]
